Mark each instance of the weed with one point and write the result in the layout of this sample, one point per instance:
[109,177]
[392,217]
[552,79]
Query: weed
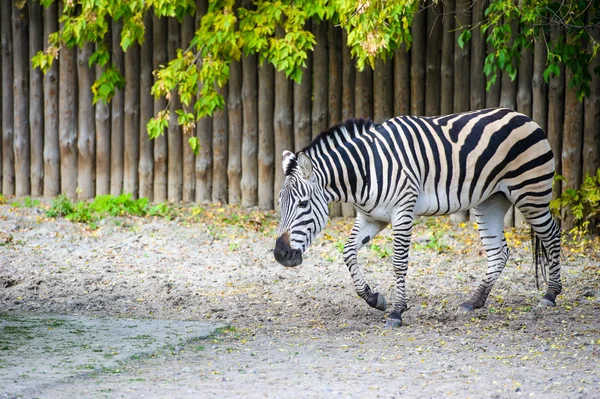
[340,246]
[27,203]
[382,252]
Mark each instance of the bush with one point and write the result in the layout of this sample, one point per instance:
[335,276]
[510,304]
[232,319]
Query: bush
[583,202]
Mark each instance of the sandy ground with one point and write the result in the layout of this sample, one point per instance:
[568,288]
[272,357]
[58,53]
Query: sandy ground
[303,332]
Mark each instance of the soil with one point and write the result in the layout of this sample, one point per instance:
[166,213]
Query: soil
[303,332]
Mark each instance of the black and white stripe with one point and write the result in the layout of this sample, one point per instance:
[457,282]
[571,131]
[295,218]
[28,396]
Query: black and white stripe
[409,166]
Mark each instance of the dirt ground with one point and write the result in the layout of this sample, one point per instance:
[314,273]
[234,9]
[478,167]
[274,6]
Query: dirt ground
[303,332]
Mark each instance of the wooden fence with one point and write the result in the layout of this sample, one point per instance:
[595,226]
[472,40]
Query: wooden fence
[54,140]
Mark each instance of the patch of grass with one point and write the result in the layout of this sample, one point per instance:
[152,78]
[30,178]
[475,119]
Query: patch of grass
[27,202]
[105,205]
[381,251]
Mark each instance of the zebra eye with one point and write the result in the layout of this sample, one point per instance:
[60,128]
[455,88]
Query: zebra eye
[303,204]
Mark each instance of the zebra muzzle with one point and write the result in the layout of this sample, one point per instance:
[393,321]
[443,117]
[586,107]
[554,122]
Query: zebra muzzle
[285,254]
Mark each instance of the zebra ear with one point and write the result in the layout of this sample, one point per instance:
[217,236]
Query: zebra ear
[305,164]
[286,158]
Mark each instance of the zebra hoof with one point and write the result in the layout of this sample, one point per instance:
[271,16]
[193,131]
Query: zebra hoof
[546,303]
[392,323]
[467,307]
[381,302]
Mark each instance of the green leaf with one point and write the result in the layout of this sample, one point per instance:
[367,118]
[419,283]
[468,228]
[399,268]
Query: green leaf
[194,144]
[464,38]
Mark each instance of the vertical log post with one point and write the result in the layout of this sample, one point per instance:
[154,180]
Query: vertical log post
[477,58]
[447,67]
[417,63]
[160,31]
[103,122]
[383,90]
[302,105]
[348,84]
[401,81]
[234,112]
[51,149]
[131,120]
[320,89]
[86,134]
[334,36]
[174,133]
[204,134]
[433,59]
[572,146]
[591,123]
[146,164]
[556,111]
[22,140]
[283,124]
[266,136]
[363,94]
[8,154]
[539,87]
[219,141]
[67,123]
[36,100]
[462,73]
[189,158]
[117,122]
[250,131]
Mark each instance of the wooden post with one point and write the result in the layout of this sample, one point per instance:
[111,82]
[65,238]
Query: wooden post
[524,103]
[234,112]
[334,36]
[383,90]
[284,129]
[572,146]
[434,53]
[174,133]
[401,81]
[117,122]
[86,135]
[20,30]
[266,136]
[320,75]
[348,87]
[250,131]
[447,67]
[508,93]
[67,123]
[51,149]
[189,158]
[302,105]
[204,134]
[477,58]
[462,78]
[36,100]
[363,93]
[103,122]
[591,123]
[8,154]
[146,165]
[417,63]
[131,121]
[539,87]
[160,32]
[219,141]
[556,102]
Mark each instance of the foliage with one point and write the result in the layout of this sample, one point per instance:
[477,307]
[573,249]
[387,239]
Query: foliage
[561,24]
[103,205]
[583,202]
[277,31]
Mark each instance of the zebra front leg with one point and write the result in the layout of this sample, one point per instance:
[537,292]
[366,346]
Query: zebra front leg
[402,229]
[363,231]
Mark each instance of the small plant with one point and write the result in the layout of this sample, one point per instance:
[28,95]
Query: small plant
[382,252]
[583,202]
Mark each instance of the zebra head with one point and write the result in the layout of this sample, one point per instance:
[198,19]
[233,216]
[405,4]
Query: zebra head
[304,210]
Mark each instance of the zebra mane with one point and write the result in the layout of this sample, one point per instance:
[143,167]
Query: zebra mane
[360,124]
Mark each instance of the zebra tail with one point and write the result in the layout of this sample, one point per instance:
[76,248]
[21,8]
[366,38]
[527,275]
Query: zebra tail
[540,258]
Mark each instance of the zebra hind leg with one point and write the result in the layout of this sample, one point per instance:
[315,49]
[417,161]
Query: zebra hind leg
[546,250]
[490,219]
[363,231]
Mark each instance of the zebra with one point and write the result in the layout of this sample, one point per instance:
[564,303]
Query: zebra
[408,166]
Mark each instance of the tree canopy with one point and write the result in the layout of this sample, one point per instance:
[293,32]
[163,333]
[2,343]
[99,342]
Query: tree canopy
[278,31]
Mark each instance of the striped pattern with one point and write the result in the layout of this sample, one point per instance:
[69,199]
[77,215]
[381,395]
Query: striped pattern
[409,166]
